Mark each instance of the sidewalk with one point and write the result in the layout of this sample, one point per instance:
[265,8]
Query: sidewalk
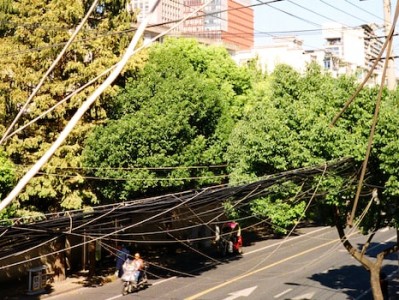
[18,291]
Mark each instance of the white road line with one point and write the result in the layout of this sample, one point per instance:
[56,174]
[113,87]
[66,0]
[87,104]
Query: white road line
[115,297]
[245,253]
[284,241]
[282,293]
[390,239]
[162,281]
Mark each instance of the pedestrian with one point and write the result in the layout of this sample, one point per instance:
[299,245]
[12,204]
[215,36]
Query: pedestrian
[121,256]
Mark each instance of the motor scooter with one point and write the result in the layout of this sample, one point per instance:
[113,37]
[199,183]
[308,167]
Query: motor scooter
[131,286]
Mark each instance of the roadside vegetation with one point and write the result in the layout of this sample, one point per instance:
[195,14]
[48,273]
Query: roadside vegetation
[182,116]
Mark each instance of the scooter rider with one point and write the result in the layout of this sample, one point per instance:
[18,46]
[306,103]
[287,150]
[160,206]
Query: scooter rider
[138,267]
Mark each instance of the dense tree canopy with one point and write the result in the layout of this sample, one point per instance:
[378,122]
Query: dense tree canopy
[7,181]
[32,34]
[176,113]
[186,116]
[288,127]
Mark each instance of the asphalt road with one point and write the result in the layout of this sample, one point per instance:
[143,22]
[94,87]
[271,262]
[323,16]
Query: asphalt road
[312,265]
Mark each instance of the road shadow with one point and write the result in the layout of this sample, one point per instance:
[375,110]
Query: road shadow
[353,280]
[185,262]
[374,248]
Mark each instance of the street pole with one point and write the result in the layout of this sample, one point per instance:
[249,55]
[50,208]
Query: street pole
[391,74]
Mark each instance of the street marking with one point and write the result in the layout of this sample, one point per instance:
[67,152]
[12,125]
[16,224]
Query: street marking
[285,241]
[242,293]
[245,253]
[390,239]
[307,296]
[282,293]
[165,280]
[260,270]
[115,297]
[156,283]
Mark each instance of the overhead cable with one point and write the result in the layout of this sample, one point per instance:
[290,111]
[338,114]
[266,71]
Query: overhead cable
[50,69]
[75,119]
[343,11]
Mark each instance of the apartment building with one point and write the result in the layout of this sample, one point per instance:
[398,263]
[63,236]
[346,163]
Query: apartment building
[351,50]
[346,50]
[283,50]
[226,22]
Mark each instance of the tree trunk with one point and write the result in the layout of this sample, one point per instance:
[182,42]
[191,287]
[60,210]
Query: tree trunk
[92,259]
[379,292]
[375,282]
[59,263]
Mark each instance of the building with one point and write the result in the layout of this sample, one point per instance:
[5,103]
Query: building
[225,22]
[166,12]
[283,50]
[230,22]
[350,51]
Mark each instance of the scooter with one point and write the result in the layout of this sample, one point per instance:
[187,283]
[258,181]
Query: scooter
[132,286]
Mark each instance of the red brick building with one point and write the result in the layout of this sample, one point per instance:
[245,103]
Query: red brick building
[240,25]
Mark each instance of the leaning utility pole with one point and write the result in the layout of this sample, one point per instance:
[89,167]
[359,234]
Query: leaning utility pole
[391,74]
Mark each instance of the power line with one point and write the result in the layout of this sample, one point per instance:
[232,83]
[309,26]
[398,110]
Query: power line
[362,9]
[136,179]
[343,11]
[307,9]
[290,14]
[122,32]
[50,69]
[90,222]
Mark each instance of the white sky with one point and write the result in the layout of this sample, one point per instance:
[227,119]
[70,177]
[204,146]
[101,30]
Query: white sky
[304,18]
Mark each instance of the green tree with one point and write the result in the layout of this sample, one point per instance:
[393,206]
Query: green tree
[287,127]
[31,37]
[7,180]
[176,113]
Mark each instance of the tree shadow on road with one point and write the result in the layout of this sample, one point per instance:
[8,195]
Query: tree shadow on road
[186,262]
[352,280]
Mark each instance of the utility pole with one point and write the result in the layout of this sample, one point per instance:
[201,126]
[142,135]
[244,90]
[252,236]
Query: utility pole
[391,74]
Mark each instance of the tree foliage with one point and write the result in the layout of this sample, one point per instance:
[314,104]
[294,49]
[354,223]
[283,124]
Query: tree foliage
[31,36]
[176,113]
[7,180]
[288,127]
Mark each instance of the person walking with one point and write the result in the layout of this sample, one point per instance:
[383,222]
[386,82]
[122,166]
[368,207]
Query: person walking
[121,256]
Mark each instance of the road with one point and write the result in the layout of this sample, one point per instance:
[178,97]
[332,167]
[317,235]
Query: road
[312,265]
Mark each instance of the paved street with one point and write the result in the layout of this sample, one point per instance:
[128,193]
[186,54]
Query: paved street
[313,265]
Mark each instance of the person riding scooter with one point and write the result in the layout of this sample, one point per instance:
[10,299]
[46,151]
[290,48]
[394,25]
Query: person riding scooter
[138,267]
[133,269]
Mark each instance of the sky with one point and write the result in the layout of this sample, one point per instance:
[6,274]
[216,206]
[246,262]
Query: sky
[304,18]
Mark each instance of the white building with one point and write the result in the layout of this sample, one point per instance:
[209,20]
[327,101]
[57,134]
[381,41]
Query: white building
[283,50]
[352,50]
[348,51]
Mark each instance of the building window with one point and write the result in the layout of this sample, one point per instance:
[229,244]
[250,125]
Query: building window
[327,63]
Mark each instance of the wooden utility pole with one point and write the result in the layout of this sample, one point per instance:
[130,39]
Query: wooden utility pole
[391,74]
